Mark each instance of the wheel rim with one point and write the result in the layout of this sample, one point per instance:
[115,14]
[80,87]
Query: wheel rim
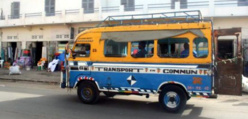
[87,93]
[171,99]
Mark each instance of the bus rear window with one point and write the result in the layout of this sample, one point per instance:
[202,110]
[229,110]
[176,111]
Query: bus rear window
[173,48]
[200,47]
[115,49]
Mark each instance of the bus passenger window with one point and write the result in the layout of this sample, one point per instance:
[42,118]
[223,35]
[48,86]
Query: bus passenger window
[82,50]
[142,49]
[200,47]
[173,48]
[115,49]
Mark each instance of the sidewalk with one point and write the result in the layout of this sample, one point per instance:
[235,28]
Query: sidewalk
[33,75]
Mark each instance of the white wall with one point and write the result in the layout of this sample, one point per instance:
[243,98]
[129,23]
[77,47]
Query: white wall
[26,6]
[68,4]
[232,22]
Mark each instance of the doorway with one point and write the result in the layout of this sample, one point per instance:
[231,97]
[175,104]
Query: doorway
[225,49]
[38,51]
[13,46]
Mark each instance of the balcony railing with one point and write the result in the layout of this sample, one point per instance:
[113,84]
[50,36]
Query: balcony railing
[38,14]
[230,3]
[54,13]
[14,16]
[72,11]
[111,9]
[133,8]
[198,4]
[159,6]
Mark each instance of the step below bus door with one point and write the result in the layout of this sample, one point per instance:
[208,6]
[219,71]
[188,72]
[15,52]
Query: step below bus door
[228,66]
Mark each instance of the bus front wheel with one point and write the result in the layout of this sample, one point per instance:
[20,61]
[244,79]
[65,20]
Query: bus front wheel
[88,92]
[173,98]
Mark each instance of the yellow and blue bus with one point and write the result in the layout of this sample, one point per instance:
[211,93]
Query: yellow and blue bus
[170,56]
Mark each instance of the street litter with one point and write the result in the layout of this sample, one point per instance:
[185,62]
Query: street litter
[14,70]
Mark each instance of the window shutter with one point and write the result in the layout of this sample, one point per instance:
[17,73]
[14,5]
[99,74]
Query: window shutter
[91,6]
[173,4]
[15,10]
[183,4]
[131,2]
[12,9]
[123,2]
[131,5]
[88,6]
[50,7]
[46,6]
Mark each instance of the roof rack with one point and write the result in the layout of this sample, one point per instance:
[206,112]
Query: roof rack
[153,18]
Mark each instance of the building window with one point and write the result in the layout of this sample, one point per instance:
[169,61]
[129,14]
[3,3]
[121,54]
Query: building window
[34,37]
[115,49]
[183,4]
[128,5]
[9,37]
[66,36]
[88,6]
[40,36]
[15,10]
[242,2]
[50,7]
[58,36]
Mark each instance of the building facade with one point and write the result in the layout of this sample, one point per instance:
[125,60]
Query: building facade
[46,25]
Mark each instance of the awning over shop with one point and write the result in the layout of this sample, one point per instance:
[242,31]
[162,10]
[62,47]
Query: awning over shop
[146,35]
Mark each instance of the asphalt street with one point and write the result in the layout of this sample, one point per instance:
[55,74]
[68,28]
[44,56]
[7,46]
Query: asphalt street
[30,100]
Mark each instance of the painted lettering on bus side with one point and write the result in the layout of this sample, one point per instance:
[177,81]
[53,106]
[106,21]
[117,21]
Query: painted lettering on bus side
[179,71]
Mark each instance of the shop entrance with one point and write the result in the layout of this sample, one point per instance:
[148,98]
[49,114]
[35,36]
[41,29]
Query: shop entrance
[13,46]
[38,51]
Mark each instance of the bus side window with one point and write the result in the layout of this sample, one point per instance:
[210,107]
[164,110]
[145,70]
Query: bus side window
[115,49]
[173,48]
[81,50]
[142,49]
[200,47]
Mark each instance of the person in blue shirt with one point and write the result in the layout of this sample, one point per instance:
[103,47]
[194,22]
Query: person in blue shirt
[185,52]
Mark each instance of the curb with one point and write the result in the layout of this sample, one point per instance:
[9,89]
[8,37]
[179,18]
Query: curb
[25,80]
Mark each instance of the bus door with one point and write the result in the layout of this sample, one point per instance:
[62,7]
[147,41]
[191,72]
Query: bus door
[228,62]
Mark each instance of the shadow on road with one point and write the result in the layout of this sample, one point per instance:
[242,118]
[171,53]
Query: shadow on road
[68,106]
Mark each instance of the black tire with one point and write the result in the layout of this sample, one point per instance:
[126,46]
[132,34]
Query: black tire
[109,94]
[88,93]
[173,98]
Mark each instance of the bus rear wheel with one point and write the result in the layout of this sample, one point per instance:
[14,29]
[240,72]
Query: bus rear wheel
[88,92]
[173,98]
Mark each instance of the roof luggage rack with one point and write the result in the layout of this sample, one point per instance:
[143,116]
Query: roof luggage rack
[153,18]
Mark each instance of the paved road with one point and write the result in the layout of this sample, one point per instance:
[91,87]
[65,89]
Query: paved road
[25,100]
